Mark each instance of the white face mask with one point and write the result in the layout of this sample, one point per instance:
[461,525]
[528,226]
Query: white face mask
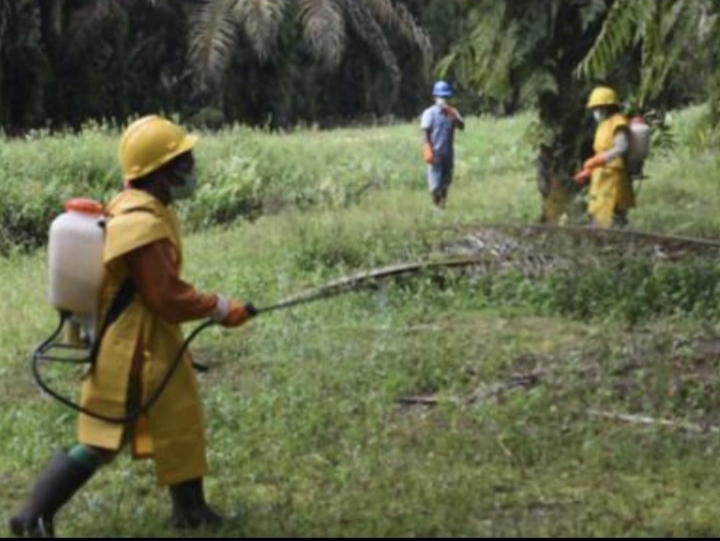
[598,115]
[185,190]
[442,102]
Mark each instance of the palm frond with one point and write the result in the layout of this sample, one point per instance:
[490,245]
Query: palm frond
[417,35]
[383,11]
[397,17]
[213,35]
[370,31]
[261,20]
[324,29]
[590,11]
[540,82]
[620,31]
[666,35]
[485,58]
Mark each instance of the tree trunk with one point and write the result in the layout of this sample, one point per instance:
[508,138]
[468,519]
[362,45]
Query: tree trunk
[564,114]
[51,32]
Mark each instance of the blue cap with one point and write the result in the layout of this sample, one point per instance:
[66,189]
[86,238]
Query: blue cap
[442,90]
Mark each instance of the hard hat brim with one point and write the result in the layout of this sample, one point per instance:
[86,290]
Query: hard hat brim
[603,97]
[186,145]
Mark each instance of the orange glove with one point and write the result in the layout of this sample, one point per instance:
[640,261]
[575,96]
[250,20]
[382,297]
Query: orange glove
[583,176]
[596,161]
[232,313]
[428,153]
[238,314]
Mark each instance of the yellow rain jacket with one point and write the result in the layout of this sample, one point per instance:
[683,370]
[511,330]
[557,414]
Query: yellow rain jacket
[610,185]
[173,431]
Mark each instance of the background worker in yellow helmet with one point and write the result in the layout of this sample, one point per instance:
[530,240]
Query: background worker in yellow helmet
[611,192]
[143,259]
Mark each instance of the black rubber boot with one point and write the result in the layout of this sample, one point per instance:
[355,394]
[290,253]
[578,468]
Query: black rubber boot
[61,479]
[190,510]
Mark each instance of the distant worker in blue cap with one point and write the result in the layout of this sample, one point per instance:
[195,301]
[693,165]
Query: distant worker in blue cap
[438,125]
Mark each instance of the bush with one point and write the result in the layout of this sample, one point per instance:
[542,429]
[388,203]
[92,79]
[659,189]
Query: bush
[632,290]
[243,173]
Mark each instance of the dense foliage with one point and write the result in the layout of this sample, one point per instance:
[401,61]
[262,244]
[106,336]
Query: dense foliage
[280,63]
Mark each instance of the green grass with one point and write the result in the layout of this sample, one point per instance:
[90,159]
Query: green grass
[306,434]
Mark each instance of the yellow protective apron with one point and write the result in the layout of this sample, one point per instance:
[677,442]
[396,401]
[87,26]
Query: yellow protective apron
[173,431]
[610,185]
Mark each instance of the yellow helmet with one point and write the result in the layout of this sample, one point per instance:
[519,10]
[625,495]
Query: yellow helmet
[602,95]
[149,143]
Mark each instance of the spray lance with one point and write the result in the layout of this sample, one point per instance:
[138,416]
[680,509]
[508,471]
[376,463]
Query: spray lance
[75,268]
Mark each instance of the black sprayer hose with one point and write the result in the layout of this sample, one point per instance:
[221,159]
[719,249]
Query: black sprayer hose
[332,289]
[142,410]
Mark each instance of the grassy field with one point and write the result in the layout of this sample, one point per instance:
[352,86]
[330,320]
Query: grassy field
[308,432]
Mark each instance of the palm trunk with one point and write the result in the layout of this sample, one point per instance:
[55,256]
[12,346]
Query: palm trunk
[51,32]
[564,114]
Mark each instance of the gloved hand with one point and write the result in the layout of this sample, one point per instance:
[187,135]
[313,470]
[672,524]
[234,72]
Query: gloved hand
[596,161]
[582,177]
[239,314]
[428,154]
[232,313]
[451,113]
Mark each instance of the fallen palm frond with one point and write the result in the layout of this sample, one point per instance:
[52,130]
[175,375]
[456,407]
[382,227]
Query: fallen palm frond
[652,421]
[612,234]
[533,250]
[553,247]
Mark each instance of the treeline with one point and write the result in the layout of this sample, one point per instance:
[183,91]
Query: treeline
[262,62]
[284,62]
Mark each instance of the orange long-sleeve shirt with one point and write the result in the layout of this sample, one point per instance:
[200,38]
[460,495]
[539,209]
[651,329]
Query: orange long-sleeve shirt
[155,274]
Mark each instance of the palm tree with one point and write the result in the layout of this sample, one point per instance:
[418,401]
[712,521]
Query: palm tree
[217,25]
[662,31]
[63,61]
[678,43]
[523,53]
[546,54]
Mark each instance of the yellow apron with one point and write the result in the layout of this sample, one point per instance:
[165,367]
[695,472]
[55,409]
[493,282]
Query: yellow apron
[173,431]
[610,185]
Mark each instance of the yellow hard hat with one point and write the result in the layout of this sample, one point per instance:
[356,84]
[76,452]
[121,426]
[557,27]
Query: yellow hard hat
[602,95]
[149,143]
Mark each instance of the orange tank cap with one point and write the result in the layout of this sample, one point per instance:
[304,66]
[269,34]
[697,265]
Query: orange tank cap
[85,206]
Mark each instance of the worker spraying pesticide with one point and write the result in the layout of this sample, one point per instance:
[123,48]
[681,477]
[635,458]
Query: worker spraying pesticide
[141,302]
[620,148]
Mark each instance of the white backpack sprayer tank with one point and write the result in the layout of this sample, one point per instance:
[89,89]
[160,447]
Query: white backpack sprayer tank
[639,146]
[75,249]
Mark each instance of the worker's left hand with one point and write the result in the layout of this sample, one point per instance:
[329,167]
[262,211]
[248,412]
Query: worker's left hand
[428,154]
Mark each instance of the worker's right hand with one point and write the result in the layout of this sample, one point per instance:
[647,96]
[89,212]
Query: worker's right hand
[232,313]
[451,113]
[428,155]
